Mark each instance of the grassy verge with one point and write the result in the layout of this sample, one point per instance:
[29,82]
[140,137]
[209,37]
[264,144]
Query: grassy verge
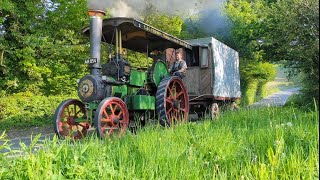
[249,144]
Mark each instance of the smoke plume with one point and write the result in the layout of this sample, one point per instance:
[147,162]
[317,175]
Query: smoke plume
[209,12]
[136,7]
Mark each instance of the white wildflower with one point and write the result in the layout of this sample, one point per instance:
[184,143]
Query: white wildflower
[289,124]
[254,159]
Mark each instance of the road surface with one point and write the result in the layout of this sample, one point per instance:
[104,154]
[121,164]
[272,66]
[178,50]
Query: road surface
[277,99]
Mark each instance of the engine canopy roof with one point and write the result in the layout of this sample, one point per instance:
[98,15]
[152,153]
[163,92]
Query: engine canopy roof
[138,36]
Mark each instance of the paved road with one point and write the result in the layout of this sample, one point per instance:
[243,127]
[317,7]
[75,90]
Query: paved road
[15,143]
[277,99]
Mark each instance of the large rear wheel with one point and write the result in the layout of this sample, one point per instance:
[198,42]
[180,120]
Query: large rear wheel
[111,117]
[65,120]
[172,101]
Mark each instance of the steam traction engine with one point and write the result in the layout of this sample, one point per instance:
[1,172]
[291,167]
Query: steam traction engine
[114,92]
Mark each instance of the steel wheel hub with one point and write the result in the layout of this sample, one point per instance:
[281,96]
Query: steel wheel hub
[176,104]
[115,121]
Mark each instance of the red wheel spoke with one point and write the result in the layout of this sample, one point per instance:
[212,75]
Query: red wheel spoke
[81,125]
[170,92]
[78,113]
[68,110]
[105,113]
[169,100]
[64,123]
[111,131]
[75,109]
[111,108]
[173,84]
[181,93]
[102,129]
[120,114]
[106,120]
[115,109]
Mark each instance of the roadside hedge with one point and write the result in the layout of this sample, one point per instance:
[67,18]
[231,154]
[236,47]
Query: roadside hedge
[254,78]
[25,110]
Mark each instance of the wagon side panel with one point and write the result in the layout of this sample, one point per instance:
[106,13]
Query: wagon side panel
[226,81]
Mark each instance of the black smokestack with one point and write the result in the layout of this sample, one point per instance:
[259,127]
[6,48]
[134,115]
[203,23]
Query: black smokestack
[96,19]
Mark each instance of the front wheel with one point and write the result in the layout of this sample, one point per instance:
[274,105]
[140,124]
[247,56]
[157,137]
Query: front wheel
[65,120]
[111,117]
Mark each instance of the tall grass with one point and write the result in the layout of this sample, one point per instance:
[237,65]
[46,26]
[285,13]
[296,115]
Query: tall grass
[249,144]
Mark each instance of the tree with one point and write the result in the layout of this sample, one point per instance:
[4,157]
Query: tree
[292,37]
[247,36]
[281,31]
[43,45]
[19,53]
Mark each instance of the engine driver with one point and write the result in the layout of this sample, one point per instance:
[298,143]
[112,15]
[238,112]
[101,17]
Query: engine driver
[179,67]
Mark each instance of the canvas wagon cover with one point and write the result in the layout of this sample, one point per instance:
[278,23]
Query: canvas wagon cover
[226,75]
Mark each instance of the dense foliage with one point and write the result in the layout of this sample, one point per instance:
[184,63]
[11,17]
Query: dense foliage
[298,45]
[281,31]
[41,45]
[250,144]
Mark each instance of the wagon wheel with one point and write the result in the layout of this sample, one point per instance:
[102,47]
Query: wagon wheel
[172,101]
[234,107]
[111,117]
[65,125]
[215,111]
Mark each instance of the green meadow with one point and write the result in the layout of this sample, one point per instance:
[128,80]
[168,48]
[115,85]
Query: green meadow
[270,143]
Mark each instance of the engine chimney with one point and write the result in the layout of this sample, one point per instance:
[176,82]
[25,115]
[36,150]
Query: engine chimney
[96,19]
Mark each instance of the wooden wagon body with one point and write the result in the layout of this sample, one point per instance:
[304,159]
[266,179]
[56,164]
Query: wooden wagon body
[213,76]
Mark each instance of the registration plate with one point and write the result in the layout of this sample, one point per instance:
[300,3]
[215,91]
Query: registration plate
[91,61]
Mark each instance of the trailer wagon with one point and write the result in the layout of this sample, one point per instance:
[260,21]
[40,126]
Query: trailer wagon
[213,77]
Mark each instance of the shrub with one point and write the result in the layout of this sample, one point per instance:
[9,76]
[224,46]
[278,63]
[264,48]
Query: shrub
[303,101]
[25,110]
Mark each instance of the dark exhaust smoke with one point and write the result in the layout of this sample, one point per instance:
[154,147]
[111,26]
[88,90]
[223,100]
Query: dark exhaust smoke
[209,12]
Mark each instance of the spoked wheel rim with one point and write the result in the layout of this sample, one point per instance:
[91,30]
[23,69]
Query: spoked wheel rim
[172,101]
[112,118]
[66,125]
